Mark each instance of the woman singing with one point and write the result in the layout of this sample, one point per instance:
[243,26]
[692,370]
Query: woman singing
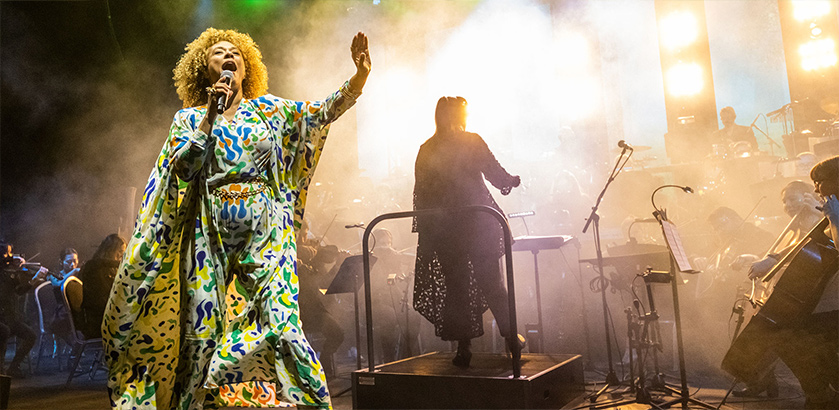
[457,270]
[203,312]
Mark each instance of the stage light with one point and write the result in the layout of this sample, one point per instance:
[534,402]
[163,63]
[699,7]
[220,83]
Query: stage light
[810,9]
[573,52]
[818,54]
[684,79]
[815,30]
[678,29]
[582,93]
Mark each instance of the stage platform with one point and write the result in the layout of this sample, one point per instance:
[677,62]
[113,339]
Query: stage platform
[45,389]
[430,381]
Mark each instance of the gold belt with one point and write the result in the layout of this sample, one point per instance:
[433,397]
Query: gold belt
[227,195]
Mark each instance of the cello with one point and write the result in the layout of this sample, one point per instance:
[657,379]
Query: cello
[793,289]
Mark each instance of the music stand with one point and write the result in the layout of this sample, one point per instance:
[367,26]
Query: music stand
[348,280]
[678,263]
[534,244]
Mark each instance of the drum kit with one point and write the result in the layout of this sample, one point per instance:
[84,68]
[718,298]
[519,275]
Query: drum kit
[810,125]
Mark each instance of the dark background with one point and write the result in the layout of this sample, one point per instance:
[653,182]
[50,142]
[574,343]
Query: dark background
[87,98]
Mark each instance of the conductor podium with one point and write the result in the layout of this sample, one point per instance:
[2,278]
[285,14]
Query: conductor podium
[431,381]
[492,381]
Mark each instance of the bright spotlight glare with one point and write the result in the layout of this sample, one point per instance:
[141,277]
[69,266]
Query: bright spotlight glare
[818,54]
[684,79]
[815,30]
[678,29]
[581,94]
[572,50]
[809,9]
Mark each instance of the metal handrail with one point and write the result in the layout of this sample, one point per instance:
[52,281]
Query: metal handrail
[508,246]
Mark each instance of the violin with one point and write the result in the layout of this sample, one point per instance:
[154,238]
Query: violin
[21,273]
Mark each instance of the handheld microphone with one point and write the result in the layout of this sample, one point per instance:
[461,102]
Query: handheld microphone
[624,145]
[227,77]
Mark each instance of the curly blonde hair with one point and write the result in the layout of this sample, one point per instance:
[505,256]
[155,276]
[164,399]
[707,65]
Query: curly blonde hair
[191,76]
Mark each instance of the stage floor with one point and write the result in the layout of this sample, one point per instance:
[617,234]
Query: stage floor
[45,390]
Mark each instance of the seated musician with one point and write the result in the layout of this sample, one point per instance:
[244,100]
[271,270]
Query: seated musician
[809,346]
[60,323]
[15,280]
[313,261]
[395,328]
[97,276]
[804,162]
[800,203]
[732,133]
[735,237]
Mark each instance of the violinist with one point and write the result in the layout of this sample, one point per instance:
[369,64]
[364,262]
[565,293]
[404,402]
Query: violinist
[16,278]
[69,260]
[60,323]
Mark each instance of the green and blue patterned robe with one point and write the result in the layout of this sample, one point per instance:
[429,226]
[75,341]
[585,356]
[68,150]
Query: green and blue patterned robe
[203,312]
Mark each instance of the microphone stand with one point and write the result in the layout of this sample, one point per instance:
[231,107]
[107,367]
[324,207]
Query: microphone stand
[611,377]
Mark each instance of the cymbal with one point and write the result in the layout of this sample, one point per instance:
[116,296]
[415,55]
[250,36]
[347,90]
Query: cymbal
[830,105]
[637,148]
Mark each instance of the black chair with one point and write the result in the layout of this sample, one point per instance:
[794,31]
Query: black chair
[72,291]
[46,302]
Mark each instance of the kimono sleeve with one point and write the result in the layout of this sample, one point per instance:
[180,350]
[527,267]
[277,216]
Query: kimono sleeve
[188,144]
[304,137]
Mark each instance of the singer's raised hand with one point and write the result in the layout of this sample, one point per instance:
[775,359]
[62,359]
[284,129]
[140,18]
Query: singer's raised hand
[361,58]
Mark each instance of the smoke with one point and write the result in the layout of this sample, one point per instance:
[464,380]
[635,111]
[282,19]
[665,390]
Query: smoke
[552,86]
[366,167]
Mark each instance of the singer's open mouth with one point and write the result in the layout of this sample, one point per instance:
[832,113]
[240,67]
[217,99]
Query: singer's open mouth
[229,65]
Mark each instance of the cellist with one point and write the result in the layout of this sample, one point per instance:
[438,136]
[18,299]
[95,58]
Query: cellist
[810,345]
[799,201]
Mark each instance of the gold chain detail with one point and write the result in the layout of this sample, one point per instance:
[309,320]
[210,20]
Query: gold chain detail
[228,195]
